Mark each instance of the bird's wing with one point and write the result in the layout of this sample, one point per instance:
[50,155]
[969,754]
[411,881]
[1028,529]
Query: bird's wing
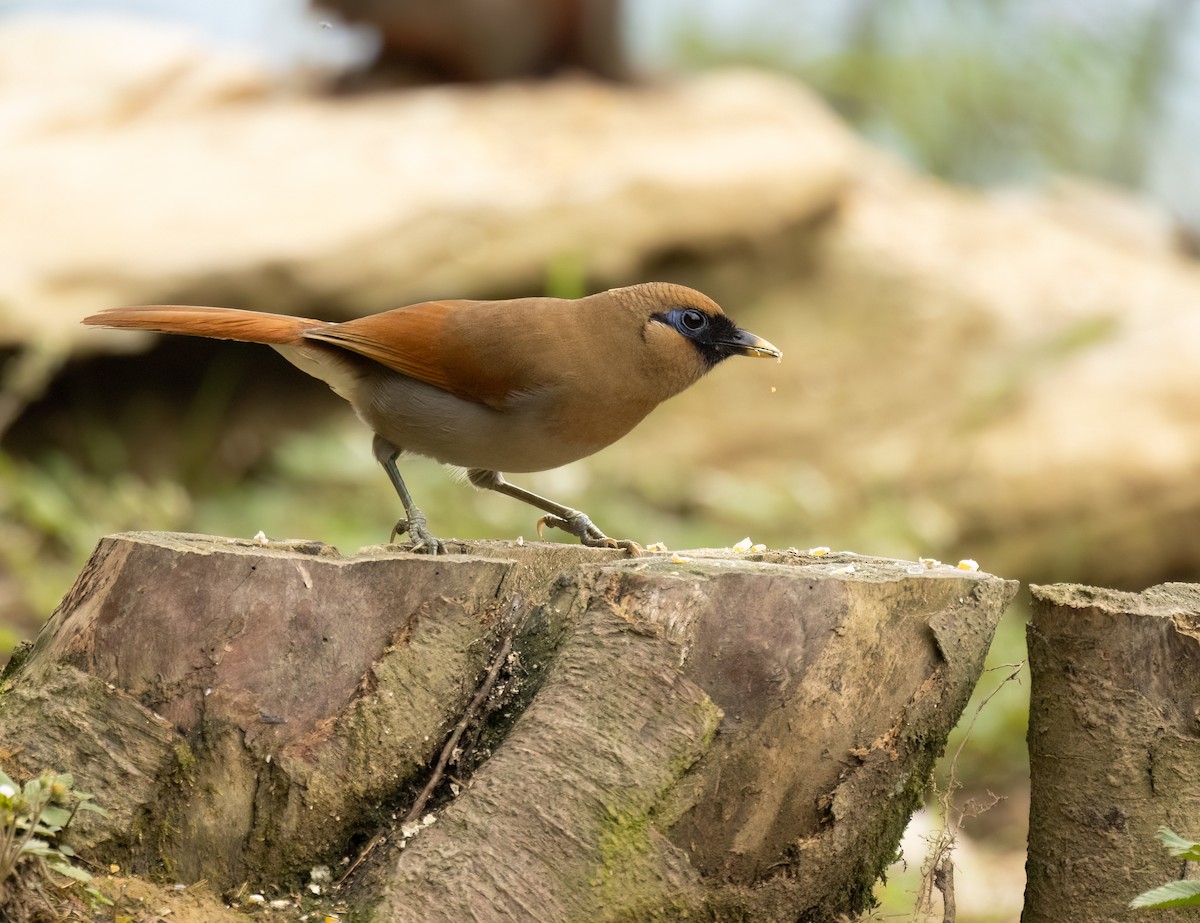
[452,345]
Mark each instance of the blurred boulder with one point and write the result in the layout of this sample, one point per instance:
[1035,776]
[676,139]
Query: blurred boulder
[1106,212]
[362,204]
[1068,440]
[65,74]
[964,376]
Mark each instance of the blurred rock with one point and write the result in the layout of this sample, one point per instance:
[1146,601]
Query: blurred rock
[1103,211]
[66,74]
[1069,439]
[364,204]
[962,377]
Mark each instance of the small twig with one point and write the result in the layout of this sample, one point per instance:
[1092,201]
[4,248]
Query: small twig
[938,869]
[1013,676]
[943,880]
[361,857]
[481,694]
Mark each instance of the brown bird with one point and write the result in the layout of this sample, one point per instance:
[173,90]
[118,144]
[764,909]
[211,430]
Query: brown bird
[490,386]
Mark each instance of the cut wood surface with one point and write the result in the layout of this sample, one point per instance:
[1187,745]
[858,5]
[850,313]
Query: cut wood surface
[1114,747]
[714,734]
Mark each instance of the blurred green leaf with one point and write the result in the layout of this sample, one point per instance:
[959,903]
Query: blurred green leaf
[1175,894]
[71,871]
[1178,846]
[566,276]
[978,92]
[54,818]
[90,805]
[35,847]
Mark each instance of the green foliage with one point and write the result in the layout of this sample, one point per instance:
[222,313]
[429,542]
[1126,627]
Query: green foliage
[976,92]
[33,819]
[566,276]
[49,511]
[1175,893]
[1177,846]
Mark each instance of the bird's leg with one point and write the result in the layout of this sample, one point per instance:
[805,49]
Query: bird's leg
[414,520]
[559,516]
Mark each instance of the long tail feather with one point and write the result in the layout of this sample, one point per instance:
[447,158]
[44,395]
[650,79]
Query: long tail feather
[217,323]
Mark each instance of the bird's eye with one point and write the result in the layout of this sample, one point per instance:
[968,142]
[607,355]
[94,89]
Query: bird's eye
[693,320]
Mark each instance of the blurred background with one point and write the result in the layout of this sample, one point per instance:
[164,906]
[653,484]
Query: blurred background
[971,228]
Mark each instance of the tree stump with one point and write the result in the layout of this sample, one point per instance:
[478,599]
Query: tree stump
[1114,747]
[710,734]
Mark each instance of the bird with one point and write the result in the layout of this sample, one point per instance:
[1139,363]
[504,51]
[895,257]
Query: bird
[505,386]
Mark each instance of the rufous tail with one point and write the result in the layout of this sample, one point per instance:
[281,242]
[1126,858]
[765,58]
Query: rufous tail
[217,323]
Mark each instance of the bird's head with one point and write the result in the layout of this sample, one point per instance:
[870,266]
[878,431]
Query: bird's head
[713,334]
[685,324]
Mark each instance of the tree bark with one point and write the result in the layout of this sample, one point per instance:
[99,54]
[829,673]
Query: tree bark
[714,735]
[1114,747]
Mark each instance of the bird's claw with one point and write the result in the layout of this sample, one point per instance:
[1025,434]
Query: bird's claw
[579,525]
[423,541]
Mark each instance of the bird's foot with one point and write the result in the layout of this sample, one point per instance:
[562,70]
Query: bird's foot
[423,540]
[579,525]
